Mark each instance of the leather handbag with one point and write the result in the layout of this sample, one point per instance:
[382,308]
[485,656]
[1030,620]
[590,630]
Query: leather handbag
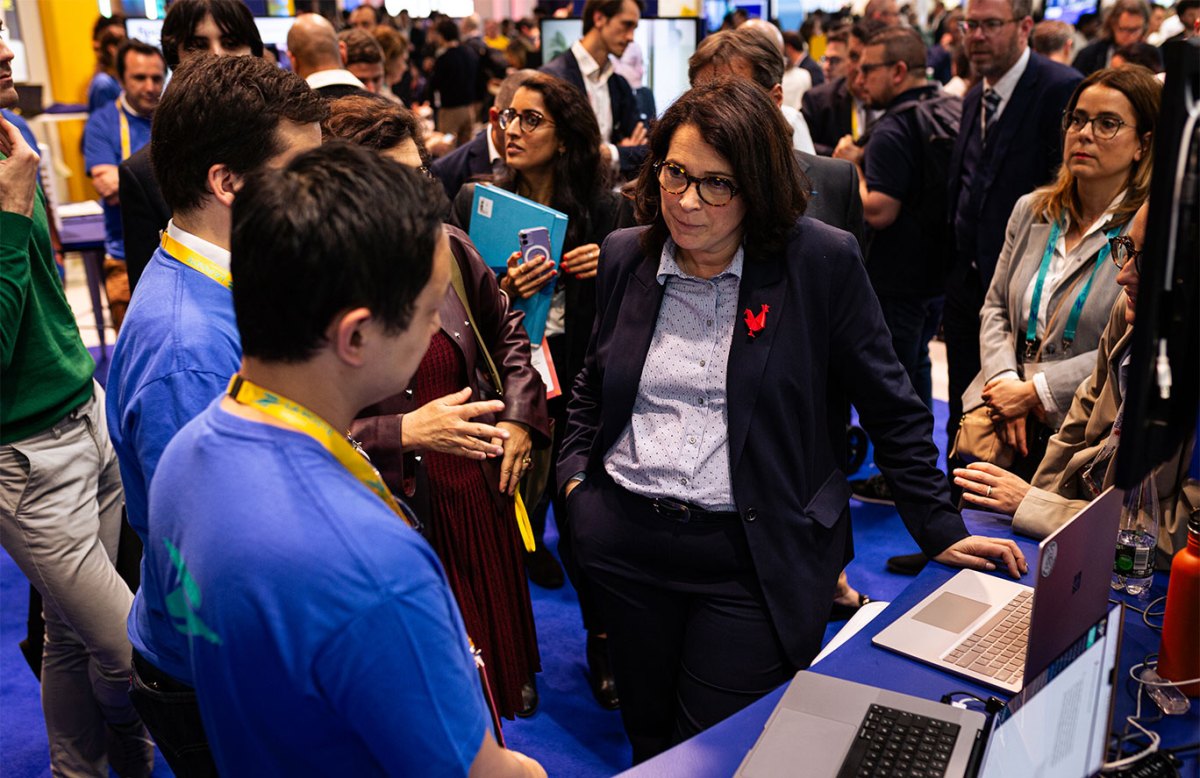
[977,440]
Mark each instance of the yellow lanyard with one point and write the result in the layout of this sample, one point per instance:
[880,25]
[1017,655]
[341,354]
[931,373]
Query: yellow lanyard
[196,261]
[303,420]
[854,129]
[125,144]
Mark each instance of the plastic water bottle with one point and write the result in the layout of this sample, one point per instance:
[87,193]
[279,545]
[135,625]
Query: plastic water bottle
[1133,567]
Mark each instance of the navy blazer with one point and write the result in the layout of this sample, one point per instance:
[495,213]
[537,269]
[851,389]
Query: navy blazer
[825,344]
[624,108]
[144,212]
[1023,151]
[827,110]
[833,193]
[463,164]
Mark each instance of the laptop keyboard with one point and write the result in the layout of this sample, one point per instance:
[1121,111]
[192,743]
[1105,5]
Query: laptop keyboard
[894,742]
[997,649]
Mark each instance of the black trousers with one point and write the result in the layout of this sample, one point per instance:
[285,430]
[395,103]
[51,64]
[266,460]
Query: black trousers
[690,638]
[965,292]
[170,712]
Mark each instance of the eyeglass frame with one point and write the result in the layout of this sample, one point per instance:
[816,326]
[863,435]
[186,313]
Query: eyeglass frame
[734,189]
[866,67]
[1125,243]
[1068,119]
[989,26]
[508,114]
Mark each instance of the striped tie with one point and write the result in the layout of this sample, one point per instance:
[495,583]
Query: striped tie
[991,101]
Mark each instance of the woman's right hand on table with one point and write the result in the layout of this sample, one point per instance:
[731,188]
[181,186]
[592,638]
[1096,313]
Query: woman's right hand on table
[525,279]
[444,425]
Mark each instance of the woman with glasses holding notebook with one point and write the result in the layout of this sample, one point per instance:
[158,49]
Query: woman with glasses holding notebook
[1054,283]
[552,155]
[705,495]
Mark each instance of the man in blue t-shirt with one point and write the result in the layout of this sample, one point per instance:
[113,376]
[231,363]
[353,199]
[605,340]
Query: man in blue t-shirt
[323,637]
[114,132]
[907,272]
[180,346]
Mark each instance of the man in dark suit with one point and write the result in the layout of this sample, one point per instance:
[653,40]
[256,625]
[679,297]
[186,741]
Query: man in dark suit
[484,154]
[1127,22]
[835,109]
[608,27]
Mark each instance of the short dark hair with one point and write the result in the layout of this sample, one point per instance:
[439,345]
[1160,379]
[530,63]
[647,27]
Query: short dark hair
[792,40]
[902,44]
[722,48]
[608,8]
[840,35]
[102,23]
[742,124]
[1143,54]
[447,30]
[232,18]
[865,28]
[317,238]
[223,110]
[374,122]
[136,46]
[361,47]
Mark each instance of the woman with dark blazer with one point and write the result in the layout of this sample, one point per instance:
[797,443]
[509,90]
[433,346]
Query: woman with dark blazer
[1055,250]
[449,446]
[552,156]
[705,495]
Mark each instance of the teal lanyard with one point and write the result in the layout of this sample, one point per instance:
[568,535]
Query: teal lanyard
[1077,308]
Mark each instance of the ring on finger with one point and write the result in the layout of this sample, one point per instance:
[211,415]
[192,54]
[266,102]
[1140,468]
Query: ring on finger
[988,493]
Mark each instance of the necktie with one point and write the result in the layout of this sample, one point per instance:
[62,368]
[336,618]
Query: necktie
[991,101]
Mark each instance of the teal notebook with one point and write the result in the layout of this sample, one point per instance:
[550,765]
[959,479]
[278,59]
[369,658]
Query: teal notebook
[497,216]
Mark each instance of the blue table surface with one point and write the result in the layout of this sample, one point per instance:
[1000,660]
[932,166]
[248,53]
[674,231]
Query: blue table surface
[81,233]
[718,751]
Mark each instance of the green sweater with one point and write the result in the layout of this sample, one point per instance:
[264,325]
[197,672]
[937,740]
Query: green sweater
[45,371]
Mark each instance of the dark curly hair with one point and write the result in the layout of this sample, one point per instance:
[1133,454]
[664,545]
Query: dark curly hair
[579,173]
[739,120]
[374,122]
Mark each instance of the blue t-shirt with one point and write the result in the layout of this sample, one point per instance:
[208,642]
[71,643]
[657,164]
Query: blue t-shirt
[23,128]
[177,349]
[102,146]
[324,637]
[102,91]
[897,260]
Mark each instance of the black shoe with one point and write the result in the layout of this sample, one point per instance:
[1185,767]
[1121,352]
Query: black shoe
[907,564]
[874,490]
[842,612]
[600,675]
[529,699]
[544,570]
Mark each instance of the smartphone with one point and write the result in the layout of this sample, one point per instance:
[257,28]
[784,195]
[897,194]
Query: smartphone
[535,244]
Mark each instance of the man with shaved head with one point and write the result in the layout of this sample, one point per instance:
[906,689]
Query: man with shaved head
[317,56]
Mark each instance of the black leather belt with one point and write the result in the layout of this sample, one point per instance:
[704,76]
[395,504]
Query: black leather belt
[683,512]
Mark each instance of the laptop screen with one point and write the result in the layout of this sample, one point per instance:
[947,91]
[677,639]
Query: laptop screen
[1058,724]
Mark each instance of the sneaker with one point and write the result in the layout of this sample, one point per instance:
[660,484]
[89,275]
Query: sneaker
[874,490]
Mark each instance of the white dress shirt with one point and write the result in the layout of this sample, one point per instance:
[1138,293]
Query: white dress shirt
[1004,86]
[210,251]
[595,81]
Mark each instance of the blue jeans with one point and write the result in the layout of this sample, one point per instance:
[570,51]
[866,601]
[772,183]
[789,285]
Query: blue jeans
[913,322]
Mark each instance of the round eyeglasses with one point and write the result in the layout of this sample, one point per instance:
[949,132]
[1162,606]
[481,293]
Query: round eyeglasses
[713,190]
[530,120]
[1105,126]
[1123,251]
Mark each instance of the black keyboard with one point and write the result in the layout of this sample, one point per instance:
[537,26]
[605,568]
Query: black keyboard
[898,743]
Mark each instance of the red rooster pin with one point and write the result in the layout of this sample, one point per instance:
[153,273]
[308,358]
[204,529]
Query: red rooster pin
[756,324]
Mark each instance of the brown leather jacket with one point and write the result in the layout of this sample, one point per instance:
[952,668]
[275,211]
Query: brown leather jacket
[377,427]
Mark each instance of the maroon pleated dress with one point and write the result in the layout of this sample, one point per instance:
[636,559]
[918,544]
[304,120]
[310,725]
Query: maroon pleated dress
[479,545]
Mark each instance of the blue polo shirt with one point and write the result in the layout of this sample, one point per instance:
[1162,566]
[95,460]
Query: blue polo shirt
[324,639]
[102,146]
[897,261]
[177,349]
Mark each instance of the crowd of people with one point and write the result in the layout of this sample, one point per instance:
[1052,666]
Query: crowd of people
[323,407]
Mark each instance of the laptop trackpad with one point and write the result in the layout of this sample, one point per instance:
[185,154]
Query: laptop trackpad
[821,743]
[951,612]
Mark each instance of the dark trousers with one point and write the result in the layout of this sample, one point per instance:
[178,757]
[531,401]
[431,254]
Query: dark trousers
[690,638]
[913,321]
[169,710]
[960,325]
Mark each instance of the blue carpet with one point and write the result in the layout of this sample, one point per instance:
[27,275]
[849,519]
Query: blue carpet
[570,735]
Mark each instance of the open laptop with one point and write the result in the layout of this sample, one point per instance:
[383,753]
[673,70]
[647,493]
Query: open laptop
[1059,725]
[998,632]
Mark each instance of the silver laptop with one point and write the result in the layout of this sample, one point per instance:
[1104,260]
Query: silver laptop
[1057,726]
[998,632]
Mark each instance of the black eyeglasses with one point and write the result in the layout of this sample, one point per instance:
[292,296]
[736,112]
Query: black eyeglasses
[990,26]
[1123,251]
[713,190]
[866,67]
[530,119]
[1105,126]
